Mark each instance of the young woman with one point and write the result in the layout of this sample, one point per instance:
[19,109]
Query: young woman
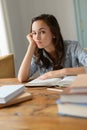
[49,53]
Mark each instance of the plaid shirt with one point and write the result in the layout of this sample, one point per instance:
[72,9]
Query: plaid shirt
[75,56]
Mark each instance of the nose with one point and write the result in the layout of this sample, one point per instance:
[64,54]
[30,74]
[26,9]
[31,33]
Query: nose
[38,36]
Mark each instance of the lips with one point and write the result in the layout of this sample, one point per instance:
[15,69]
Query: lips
[38,42]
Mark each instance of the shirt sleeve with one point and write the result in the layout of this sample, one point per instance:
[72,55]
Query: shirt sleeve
[81,54]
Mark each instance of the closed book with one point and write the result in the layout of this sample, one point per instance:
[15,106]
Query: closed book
[72,109]
[25,96]
[79,84]
[74,97]
[8,92]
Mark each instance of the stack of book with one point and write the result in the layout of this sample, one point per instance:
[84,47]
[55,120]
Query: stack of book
[73,100]
[12,94]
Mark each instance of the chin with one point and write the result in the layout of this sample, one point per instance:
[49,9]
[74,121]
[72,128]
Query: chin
[40,47]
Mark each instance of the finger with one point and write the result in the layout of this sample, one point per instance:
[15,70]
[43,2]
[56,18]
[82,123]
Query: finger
[27,37]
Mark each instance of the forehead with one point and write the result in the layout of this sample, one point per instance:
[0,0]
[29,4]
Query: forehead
[37,25]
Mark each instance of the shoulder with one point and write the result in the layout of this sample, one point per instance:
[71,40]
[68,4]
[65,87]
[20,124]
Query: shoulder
[71,45]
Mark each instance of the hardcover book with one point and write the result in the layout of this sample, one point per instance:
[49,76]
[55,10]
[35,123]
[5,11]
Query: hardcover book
[79,84]
[72,109]
[8,92]
[73,97]
[25,96]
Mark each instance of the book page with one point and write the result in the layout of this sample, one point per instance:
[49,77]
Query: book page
[52,82]
[46,82]
[67,80]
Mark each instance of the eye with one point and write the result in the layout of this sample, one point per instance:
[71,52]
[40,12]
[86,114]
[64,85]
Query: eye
[42,32]
[34,33]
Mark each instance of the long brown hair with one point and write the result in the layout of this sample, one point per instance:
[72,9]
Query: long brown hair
[52,23]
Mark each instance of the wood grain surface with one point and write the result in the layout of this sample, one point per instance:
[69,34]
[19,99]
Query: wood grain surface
[40,113]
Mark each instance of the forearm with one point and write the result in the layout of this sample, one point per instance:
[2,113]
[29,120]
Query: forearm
[69,71]
[63,72]
[23,73]
[74,71]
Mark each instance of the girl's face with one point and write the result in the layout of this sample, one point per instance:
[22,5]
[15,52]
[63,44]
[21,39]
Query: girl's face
[42,35]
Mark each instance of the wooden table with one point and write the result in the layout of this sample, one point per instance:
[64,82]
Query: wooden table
[40,113]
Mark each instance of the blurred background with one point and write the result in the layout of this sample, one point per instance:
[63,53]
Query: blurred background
[16,15]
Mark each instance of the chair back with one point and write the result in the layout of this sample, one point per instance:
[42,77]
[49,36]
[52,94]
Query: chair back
[7,66]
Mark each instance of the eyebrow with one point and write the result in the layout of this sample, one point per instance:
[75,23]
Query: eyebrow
[40,29]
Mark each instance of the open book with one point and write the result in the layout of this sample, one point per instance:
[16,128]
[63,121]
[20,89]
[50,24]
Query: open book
[66,81]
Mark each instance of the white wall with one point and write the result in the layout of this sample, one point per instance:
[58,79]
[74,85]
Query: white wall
[62,9]
[4,49]
[20,13]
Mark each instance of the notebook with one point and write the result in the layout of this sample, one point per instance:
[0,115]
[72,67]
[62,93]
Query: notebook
[8,92]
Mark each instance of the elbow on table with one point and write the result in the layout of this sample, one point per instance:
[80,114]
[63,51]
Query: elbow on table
[22,79]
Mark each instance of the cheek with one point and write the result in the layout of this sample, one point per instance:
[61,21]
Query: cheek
[49,39]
